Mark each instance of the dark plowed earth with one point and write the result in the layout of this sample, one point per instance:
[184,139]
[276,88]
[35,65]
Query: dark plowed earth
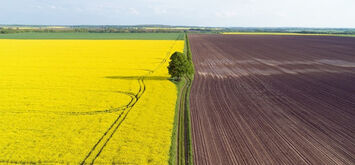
[273,99]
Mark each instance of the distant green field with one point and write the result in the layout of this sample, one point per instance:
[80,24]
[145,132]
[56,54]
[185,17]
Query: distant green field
[109,36]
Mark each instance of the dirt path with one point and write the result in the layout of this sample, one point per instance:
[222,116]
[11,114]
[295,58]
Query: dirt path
[183,138]
[273,99]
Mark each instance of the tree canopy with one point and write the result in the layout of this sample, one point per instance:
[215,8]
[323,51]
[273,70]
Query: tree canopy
[179,65]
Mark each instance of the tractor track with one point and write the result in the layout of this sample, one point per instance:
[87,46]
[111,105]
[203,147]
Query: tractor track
[183,134]
[96,150]
[111,110]
[184,150]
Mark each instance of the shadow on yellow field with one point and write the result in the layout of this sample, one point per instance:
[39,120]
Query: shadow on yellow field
[157,78]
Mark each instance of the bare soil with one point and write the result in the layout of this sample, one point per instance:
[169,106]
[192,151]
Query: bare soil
[273,99]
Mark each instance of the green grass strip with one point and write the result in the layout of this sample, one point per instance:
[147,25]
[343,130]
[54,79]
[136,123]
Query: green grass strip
[181,136]
[94,36]
[173,147]
[187,103]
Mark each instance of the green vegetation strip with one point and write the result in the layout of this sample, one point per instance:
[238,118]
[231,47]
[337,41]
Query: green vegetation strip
[94,36]
[181,151]
[173,148]
[187,104]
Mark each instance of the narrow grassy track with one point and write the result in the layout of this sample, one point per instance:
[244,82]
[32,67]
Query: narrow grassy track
[184,146]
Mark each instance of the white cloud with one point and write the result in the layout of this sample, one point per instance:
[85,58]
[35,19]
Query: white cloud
[158,10]
[306,13]
[226,14]
[133,11]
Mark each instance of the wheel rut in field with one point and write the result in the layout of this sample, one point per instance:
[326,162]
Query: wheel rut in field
[96,150]
[183,145]
[95,112]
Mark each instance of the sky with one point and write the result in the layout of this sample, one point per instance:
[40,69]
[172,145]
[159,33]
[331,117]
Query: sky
[216,13]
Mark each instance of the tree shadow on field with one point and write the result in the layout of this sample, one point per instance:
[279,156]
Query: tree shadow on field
[155,78]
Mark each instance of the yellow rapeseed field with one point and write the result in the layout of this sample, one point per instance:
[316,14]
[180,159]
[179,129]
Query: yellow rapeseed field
[85,101]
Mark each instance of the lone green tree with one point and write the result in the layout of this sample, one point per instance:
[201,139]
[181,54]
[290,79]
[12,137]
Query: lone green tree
[178,66]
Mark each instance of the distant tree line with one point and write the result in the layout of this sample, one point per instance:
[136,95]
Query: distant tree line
[106,29]
[293,30]
[90,30]
[166,29]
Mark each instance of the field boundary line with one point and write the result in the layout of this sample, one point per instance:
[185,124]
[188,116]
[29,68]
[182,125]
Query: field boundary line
[184,149]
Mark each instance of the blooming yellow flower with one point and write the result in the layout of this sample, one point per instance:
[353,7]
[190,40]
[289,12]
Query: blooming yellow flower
[58,98]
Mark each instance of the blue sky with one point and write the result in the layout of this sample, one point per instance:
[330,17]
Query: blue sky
[244,13]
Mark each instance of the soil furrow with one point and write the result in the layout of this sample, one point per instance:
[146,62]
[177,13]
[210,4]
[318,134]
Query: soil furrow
[273,99]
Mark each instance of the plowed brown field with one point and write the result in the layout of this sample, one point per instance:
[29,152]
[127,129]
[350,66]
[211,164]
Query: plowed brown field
[273,99]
